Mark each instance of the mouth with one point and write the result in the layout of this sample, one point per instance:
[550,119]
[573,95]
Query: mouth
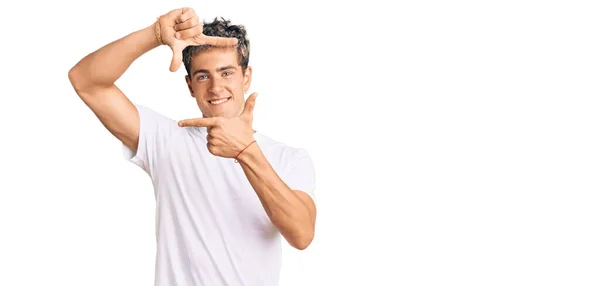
[219,101]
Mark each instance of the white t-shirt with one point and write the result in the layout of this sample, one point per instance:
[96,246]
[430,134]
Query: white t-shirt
[211,227]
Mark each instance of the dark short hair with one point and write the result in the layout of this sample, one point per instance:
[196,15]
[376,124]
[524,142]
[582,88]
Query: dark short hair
[221,28]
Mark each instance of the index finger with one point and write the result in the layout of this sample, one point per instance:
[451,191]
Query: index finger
[218,41]
[186,14]
[198,122]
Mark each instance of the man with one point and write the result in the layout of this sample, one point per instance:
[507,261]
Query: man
[224,192]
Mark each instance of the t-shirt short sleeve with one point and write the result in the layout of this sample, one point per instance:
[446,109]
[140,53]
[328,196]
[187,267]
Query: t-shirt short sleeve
[300,175]
[155,132]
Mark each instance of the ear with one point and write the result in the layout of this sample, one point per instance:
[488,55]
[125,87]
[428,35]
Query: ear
[188,80]
[247,78]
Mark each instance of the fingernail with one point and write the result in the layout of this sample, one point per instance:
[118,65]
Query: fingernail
[177,35]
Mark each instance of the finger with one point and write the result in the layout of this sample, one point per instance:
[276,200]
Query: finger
[177,57]
[198,122]
[180,15]
[212,148]
[217,41]
[215,141]
[249,105]
[186,14]
[187,24]
[192,32]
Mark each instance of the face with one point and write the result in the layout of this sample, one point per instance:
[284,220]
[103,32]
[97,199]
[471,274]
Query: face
[218,83]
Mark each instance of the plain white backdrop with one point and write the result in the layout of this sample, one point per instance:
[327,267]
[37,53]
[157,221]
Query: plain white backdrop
[455,142]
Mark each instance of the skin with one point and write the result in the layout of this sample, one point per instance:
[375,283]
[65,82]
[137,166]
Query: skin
[216,74]
[230,126]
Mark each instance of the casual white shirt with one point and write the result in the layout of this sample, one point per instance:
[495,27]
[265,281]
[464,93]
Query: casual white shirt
[211,228]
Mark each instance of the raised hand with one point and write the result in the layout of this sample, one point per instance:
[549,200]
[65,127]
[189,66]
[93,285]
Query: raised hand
[227,137]
[181,28]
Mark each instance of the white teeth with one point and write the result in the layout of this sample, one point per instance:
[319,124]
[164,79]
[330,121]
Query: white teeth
[214,102]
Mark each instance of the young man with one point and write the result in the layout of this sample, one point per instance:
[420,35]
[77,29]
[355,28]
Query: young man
[224,192]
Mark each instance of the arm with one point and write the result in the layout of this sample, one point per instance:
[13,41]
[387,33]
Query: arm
[293,212]
[94,77]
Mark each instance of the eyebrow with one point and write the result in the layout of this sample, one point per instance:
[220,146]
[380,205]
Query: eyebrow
[218,70]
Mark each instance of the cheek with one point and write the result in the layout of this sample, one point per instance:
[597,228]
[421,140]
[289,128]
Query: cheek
[199,90]
[232,84]
[236,86]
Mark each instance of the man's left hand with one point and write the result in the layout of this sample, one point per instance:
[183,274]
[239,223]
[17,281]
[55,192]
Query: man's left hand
[227,137]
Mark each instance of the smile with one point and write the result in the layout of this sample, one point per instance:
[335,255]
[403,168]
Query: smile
[219,101]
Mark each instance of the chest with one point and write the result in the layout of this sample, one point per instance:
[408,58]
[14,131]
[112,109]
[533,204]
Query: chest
[205,189]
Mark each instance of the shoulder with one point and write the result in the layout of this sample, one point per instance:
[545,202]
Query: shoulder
[281,153]
[148,113]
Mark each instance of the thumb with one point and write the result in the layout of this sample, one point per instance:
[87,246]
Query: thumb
[177,56]
[249,105]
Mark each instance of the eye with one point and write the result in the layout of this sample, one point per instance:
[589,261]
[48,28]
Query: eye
[202,77]
[227,73]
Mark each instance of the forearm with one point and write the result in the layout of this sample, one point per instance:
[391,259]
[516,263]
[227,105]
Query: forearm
[287,211]
[103,67]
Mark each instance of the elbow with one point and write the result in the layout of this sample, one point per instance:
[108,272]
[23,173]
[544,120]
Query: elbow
[75,78]
[72,75]
[84,83]
[81,83]
[302,242]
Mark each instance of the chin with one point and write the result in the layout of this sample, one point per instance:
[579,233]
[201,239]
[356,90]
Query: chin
[219,111]
[226,114]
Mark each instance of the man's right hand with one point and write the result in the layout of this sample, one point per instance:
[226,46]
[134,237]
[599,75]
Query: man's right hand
[181,28]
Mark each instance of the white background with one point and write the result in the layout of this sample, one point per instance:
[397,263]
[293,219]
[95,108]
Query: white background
[455,142]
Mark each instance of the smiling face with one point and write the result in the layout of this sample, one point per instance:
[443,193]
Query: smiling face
[218,83]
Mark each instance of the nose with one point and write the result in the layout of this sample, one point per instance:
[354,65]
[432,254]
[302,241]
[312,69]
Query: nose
[216,86]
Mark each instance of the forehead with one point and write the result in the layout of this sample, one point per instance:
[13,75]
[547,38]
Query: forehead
[215,58]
